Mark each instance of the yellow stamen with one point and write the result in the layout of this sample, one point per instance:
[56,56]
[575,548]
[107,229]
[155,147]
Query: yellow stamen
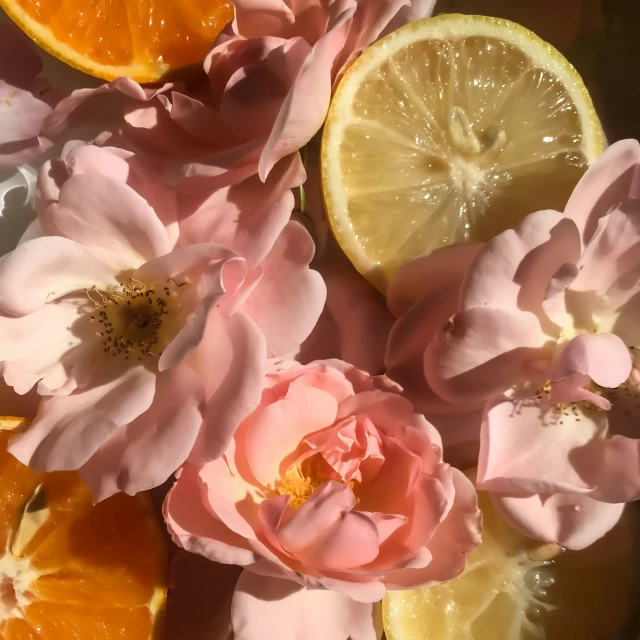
[301,480]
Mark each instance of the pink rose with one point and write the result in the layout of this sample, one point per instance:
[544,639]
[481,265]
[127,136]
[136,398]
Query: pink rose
[544,337]
[24,99]
[332,491]
[265,94]
[146,353]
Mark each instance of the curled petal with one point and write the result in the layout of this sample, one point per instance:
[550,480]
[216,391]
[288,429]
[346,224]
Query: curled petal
[513,270]
[612,179]
[482,352]
[603,358]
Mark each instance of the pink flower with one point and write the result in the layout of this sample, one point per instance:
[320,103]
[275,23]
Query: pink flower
[266,91]
[545,334]
[146,353]
[335,484]
[24,98]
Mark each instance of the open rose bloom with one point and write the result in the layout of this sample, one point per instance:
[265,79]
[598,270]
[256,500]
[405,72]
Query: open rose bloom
[540,351]
[335,484]
[145,352]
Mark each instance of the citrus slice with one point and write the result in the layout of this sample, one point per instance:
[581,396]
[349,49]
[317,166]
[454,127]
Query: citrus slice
[451,129]
[142,39]
[517,589]
[71,570]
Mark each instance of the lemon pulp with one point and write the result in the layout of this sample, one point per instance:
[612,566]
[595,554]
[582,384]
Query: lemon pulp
[515,588]
[451,129]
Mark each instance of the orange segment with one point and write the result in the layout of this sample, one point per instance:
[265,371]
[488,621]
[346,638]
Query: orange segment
[143,39]
[71,569]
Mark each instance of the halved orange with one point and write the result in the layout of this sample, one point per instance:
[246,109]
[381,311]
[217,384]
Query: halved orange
[72,570]
[142,39]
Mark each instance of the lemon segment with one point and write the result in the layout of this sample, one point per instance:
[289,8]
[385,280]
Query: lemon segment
[517,589]
[448,130]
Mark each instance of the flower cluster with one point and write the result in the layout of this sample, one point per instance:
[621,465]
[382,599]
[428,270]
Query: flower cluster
[180,320]
[526,346]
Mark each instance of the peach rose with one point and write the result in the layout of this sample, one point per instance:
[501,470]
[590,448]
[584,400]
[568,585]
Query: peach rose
[337,485]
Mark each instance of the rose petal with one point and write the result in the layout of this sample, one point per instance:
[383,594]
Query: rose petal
[300,119]
[109,217]
[322,532]
[167,428]
[193,526]
[570,520]
[68,430]
[22,114]
[612,179]
[514,269]
[482,352]
[42,347]
[618,478]
[604,358]
[451,543]
[232,360]
[273,609]
[288,301]
[47,268]
[354,325]
[247,217]
[525,448]
[438,273]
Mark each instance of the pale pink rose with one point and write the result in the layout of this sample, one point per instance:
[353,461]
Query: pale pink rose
[25,100]
[545,334]
[146,353]
[332,492]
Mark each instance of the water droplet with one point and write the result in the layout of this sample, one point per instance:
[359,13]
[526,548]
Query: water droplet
[534,613]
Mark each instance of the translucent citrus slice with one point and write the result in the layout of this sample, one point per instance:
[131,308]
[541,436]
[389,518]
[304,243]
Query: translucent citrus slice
[516,589]
[142,39]
[451,129]
[72,570]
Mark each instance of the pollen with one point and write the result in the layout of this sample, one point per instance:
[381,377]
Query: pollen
[132,319]
[301,480]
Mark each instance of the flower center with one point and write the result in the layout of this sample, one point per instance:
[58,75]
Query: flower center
[302,479]
[137,320]
[299,483]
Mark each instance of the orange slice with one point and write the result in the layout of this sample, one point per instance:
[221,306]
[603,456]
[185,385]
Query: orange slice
[72,570]
[142,39]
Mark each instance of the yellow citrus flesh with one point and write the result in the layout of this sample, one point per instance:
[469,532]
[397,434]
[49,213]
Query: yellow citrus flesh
[516,589]
[451,129]
[142,39]
[70,569]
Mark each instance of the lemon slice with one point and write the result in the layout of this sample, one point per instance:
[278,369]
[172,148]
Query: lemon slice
[448,130]
[516,589]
